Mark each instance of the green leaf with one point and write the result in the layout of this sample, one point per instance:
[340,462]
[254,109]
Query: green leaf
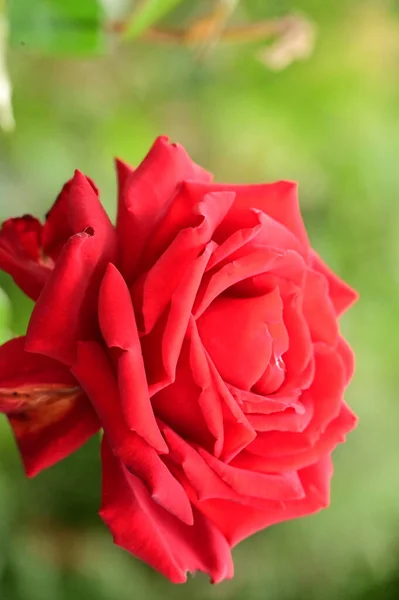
[57,26]
[5,332]
[147,13]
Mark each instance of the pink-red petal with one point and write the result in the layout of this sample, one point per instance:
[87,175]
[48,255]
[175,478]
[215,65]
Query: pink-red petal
[152,292]
[341,294]
[140,458]
[277,200]
[119,329]
[20,254]
[307,454]
[318,309]
[145,529]
[147,197]
[235,334]
[50,415]
[248,482]
[67,309]
[238,521]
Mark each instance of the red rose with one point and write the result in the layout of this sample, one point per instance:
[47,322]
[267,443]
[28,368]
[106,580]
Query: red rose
[200,333]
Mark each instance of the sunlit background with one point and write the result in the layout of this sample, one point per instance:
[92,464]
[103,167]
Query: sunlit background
[331,123]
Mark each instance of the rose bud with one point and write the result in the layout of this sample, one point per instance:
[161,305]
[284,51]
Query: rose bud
[200,333]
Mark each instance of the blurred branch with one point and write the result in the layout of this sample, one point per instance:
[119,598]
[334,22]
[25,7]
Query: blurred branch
[295,41]
[208,31]
[292,36]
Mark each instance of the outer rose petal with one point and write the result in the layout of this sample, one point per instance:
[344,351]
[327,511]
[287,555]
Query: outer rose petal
[50,415]
[57,228]
[237,521]
[118,325]
[20,254]
[147,196]
[140,458]
[318,309]
[149,532]
[348,358]
[302,457]
[123,173]
[66,310]
[247,482]
[205,482]
[341,294]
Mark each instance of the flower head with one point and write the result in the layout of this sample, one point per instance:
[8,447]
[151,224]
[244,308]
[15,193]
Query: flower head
[201,334]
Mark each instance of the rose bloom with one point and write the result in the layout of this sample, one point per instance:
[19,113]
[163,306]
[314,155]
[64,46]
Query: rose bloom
[200,334]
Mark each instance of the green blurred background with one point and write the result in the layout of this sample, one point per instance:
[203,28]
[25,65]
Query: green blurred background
[331,123]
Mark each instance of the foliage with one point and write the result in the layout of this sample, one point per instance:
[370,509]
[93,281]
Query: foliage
[57,26]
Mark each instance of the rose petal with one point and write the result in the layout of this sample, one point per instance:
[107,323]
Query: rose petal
[254,274]
[152,292]
[318,309]
[57,230]
[59,227]
[271,233]
[20,254]
[235,334]
[324,396]
[341,294]
[286,272]
[18,367]
[277,200]
[238,432]
[237,521]
[49,414]
[140,458]
[209,400]
[45,437]
[179,314]
[300,349]
[348,358]
[240,242]
[333,435]
[162,346]
[255,403]
[286,420]
[205,482]
[123,174]
[178,404]
[269,486]
[149,532]
[148,196]
[66,310]
[273,377]
[118,326]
